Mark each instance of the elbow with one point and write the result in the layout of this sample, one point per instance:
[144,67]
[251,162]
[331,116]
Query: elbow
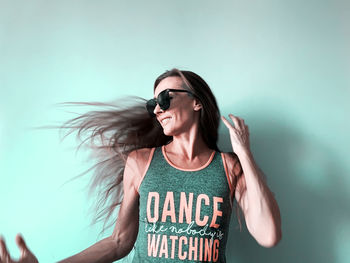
[266,235]
[272,240]
[122,245]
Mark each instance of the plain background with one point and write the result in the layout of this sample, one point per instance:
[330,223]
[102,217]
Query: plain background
[283,66]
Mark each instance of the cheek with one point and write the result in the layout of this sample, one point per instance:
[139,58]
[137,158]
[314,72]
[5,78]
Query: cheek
[182,119]
[182,114]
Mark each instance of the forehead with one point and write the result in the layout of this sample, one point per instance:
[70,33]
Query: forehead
[168,83]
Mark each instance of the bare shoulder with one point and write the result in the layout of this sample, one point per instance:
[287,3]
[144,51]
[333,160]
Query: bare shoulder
[137,164]
[140,156]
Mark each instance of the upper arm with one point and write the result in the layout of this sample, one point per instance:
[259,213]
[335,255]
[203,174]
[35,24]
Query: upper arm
[126,228]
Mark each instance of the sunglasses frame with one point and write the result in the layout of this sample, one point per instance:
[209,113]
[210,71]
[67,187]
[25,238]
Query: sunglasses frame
[163,100]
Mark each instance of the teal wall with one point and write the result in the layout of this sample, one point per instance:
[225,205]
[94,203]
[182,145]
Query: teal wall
[283,66]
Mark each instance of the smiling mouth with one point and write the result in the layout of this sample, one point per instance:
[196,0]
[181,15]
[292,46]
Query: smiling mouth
[165,120]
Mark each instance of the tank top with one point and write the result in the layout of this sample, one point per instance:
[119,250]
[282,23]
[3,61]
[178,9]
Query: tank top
[184,213]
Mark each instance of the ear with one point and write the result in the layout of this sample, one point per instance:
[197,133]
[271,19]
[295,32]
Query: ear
[197,105]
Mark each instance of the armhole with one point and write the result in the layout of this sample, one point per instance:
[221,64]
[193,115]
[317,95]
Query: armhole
[146,167]
[228,177]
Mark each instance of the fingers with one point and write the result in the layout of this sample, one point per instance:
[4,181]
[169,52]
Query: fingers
[4,254]
[238,122]
[26,254]
[21,244]
[226,122]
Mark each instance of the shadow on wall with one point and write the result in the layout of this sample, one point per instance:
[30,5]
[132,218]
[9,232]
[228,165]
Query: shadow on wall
[307,181]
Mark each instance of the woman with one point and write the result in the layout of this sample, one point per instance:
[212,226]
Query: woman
[178,189]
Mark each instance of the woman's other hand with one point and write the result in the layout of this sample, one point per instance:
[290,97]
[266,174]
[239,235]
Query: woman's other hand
[239,133]
[26,255]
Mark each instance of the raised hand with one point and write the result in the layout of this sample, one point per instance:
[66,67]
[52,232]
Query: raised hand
[239,133]
[26,255]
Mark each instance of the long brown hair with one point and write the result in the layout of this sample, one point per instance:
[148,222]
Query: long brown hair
[117,129]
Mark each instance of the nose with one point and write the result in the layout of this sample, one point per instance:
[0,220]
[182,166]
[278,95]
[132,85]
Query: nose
[157,109]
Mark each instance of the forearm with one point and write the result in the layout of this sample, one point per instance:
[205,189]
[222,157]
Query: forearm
[103,251]
[262,213]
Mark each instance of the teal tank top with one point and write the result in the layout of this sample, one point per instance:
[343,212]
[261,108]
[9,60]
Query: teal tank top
[184,213]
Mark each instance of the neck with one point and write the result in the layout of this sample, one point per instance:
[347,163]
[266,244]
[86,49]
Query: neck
[189,145]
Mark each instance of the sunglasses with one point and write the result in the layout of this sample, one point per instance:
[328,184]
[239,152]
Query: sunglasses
[163,100]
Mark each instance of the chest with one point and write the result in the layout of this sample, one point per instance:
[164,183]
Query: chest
[171,196]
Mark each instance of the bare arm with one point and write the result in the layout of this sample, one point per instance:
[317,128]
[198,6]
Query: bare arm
[109,249]
[259,206]
[120,243]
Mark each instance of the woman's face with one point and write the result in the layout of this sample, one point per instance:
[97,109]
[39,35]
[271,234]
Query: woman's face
[183,111]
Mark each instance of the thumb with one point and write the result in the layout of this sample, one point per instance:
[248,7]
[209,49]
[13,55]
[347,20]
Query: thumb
[21,244]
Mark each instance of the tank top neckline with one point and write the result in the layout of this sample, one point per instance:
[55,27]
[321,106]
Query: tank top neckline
[187,169]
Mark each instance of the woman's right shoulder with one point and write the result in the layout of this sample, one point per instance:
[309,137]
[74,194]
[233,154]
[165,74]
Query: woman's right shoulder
[141,156]
[137,164]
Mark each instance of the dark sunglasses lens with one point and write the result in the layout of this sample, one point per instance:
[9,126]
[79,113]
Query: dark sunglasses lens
[164,100]
[150,105]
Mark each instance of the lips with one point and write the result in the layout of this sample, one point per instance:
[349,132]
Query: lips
[165,120]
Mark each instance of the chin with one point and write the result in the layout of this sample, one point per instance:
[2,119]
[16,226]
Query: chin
[168,132]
